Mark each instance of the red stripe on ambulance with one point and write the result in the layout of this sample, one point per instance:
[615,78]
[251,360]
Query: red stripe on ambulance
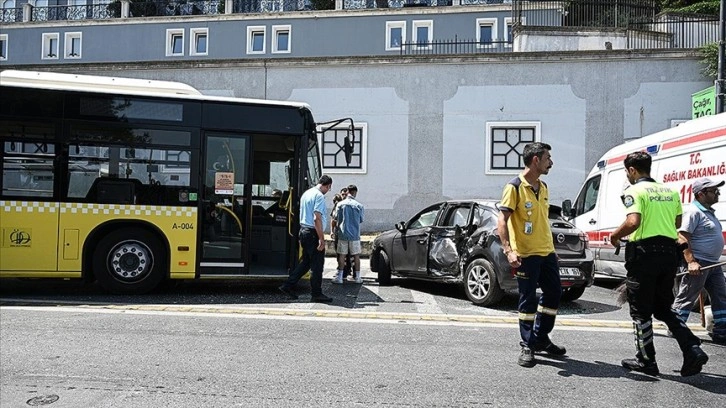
[679,142]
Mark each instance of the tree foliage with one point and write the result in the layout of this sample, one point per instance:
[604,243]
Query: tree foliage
[692,6]
[710,60]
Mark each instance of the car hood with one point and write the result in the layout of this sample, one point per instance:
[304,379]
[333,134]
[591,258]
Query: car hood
[385,235]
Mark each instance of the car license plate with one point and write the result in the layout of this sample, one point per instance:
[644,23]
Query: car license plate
[569,272]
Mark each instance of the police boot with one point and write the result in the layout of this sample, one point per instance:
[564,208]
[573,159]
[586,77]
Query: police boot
[693,360]
[644,360]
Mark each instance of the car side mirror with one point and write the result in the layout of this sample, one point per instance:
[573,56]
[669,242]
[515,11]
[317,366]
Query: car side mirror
[567,208]
[401,226]
[471,228]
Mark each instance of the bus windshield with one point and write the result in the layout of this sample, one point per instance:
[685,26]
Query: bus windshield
[314,171]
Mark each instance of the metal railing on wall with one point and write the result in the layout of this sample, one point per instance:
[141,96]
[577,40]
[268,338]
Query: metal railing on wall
[11,15]
[584,13]
[52,13]
[674,31]
[455,46]
[161,8]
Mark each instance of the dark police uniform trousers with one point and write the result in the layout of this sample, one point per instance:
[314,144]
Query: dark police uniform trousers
[651,266]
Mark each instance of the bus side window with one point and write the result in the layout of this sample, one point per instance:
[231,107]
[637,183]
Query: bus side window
[113,191]
[587,200]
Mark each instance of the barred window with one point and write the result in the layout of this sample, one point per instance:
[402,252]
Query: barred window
[331,149]
[506,141]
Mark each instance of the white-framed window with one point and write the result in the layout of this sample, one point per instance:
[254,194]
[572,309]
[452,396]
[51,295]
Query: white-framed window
[508,24]
[72,45]
[281,36]
[395,35]
[174,42]
[332,155]
[200,41]
[50,46]
[505,143]
[256,39]
[3,47]
[423,34]
[486,32]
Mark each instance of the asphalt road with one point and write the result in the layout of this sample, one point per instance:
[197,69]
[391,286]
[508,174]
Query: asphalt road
[414,344]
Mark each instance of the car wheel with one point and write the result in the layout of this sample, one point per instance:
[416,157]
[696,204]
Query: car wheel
[129,261]
[384,269]
[572,293]
[481,284]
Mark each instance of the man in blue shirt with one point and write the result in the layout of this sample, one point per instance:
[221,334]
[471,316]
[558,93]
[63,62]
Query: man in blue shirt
[312,241]
[346,225]
[702,231]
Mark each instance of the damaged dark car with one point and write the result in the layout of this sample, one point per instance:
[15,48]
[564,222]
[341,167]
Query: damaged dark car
[457,242]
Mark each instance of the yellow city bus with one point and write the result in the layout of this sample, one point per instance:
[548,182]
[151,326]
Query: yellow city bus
[130,182]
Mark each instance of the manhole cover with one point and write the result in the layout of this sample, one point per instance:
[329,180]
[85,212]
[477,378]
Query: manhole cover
[42,400]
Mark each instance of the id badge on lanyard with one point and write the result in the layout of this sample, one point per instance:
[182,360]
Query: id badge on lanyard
[528,227]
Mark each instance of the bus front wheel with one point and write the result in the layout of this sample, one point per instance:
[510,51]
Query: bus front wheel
[129,261]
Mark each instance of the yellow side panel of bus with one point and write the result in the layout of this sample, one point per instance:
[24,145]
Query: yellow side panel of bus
[29,239]
[178,224]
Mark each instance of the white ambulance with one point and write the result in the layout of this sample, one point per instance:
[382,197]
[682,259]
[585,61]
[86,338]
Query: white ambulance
[681,155]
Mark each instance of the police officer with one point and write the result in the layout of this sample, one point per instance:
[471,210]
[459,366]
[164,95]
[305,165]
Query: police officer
[651,260]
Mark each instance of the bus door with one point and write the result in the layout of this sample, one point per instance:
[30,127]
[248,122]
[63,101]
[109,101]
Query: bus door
[271,226]
[224,205]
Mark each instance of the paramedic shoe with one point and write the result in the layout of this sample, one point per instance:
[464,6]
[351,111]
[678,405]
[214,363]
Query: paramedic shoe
[633,364]
[693,360]
[718,339]
[551,349]
[526,357]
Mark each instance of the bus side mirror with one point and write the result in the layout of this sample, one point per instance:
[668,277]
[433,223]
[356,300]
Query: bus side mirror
[567,208]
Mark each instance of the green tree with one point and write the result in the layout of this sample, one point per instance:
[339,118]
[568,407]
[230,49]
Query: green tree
[692,6]
[710,60]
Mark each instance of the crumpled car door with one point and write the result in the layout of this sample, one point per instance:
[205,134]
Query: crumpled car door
[444,250]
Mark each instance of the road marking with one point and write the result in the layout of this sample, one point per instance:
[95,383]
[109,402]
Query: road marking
[426,303]
[338,316]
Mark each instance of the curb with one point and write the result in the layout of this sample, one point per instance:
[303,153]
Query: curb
[327,314]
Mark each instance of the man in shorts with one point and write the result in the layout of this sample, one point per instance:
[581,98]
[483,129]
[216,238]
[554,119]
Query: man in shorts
[349,216]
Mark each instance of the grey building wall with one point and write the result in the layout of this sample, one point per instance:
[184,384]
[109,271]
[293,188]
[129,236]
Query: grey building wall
[427,116]
[313,34]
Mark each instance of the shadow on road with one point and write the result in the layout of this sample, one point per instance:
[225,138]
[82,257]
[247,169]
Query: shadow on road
[510,300]
[569,367]
[237,292]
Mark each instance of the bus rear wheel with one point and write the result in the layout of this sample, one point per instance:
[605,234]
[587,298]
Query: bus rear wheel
[129,261]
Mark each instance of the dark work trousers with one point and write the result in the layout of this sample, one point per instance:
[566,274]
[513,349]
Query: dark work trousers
[537,317]
[312,260]
[651,267]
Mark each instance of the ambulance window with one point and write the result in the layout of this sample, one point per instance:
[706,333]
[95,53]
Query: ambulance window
[588,196]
